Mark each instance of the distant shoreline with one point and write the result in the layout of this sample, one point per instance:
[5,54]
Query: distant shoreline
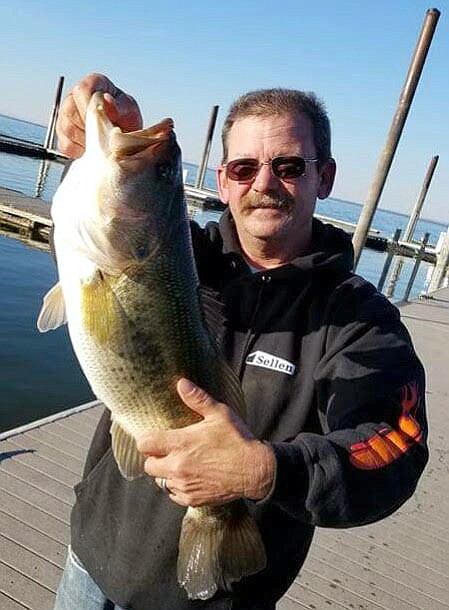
[15,118]
[359,205]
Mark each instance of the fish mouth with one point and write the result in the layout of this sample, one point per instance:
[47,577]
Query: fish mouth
[125,145]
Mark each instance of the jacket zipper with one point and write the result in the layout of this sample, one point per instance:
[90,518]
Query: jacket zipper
[251,335]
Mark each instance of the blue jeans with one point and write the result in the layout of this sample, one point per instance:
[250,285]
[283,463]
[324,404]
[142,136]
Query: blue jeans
[78,591]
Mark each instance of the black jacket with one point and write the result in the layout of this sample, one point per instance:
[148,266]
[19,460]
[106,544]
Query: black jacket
[330,379]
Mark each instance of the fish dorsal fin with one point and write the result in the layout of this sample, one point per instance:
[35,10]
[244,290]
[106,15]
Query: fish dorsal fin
[129,461]
[53,313]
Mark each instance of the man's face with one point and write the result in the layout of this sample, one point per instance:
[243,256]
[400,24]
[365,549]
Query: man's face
[270,209]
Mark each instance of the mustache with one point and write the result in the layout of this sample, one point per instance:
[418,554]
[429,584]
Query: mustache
[278,201]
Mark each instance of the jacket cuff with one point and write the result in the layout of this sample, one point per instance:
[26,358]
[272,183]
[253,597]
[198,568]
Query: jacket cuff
[291,479]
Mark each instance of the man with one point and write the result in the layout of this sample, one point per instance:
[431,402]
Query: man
[331,381]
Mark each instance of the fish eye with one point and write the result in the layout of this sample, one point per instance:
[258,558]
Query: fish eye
[165,171]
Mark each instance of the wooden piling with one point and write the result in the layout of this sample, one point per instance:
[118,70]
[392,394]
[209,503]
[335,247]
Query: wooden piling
[414,217]
[51,130]
[441,267]
[414,273]
[386,158]
[392,250]
[210,134]
[412,222]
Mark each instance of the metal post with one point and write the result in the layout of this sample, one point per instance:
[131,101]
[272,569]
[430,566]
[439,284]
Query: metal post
[210,133]
[50,136]
[441,266]
[411,225]
[395,132]
[41,177]
[391,252]
[412,221]
[419,257]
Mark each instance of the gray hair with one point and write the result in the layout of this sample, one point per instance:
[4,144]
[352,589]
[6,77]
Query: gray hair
[279,101]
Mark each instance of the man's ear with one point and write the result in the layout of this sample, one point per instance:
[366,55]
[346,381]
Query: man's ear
[327,177]
[222,183]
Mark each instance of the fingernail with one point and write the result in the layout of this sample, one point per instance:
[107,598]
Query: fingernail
[186,386]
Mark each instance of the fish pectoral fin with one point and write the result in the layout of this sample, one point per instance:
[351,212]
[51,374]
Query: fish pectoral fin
[100,307]
[53,313]
[129,461]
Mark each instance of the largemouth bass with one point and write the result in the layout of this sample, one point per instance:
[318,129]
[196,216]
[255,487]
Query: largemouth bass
[128,289]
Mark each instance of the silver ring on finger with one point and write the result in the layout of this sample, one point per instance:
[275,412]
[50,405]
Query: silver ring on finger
[163,485]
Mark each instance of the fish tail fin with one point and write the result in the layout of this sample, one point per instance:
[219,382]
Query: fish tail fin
[217,547]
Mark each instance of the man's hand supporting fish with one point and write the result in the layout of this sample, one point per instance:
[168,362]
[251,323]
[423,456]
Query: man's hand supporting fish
[214,461]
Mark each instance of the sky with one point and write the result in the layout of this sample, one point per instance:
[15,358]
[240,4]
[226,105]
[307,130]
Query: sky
[180,58]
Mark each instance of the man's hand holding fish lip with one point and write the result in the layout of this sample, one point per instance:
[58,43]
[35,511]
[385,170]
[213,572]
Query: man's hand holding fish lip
[213,461]
[121,108]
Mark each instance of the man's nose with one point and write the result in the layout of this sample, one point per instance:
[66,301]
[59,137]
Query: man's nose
[265,181]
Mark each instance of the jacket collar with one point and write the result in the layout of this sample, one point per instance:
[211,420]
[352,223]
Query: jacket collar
[331,248]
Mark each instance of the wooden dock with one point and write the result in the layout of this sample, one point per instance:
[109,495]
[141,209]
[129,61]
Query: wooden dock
[16,146]
[400,563]
[28,218]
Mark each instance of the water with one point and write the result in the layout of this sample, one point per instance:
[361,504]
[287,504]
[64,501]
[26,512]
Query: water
[39,374]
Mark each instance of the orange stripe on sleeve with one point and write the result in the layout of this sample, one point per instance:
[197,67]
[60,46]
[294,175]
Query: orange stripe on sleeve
[384,447]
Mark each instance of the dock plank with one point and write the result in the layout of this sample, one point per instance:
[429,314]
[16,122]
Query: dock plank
[37,474]
[20,202]
[30,565]
[393,581]
[53,440]
[28,512]
[381,591]
[306,595]
[333,589]
[40,481]
[77,427]
[290,603]
[25,590]
[91,416]
[6,603]
[69,435]
[25,536]
[33,459]
[49,452]
[44,501]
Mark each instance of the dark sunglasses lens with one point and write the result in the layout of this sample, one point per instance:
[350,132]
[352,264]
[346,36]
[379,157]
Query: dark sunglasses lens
[288,167]
[242,169]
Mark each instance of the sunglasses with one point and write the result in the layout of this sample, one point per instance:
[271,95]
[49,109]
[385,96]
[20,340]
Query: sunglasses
[285,168]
